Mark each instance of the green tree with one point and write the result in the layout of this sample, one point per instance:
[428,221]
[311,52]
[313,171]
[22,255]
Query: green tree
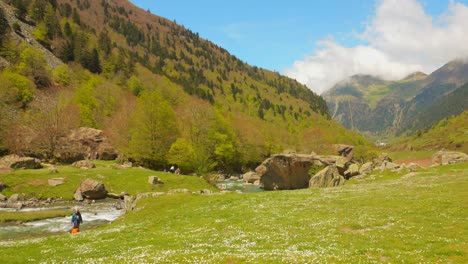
[37,10]
[21,8]
[105,43]
[85,98]
[182,154]
[154,129]
[62,75]
[34,65]
[134,85]
[51,22]
[76,17]
[17,88]
[3,26]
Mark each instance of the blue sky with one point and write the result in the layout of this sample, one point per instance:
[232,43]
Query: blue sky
[285,35]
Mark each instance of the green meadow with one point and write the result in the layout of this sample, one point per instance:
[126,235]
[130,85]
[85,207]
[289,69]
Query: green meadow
[381,218]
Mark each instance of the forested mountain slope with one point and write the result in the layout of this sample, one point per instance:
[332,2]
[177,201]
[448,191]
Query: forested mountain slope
[160,92]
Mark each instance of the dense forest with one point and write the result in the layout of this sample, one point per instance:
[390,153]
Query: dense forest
[162,94]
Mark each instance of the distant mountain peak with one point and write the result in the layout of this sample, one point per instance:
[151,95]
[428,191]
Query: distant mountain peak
[415,76]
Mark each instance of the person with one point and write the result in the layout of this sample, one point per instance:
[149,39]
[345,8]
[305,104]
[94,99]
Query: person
[177,171]
[172,169]
[76,221]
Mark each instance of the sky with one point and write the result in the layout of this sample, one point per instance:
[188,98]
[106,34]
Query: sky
[322,42]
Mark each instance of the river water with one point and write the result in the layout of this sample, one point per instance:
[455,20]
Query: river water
[94,215]
[238,186]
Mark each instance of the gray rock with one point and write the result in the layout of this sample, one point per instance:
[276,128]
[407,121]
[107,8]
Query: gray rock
[388,165]
[366,168]
[115,196]
[77,196]
[91,189]
[328,177]
[17,162]
[154,180]
[53,169]
[206,191]
[413,167]
[353,170]
[13,198]
[250,177]
[285,171]
[346,151]
[56,181]
[84,164]
[129,202]
[3,197]
[179,191]
[448,157]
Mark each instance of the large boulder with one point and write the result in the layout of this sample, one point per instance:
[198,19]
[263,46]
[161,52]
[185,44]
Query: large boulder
[285,171]
[388,165]
[90,189]
[17,162]
[448,157]
[352,171]
[82,143]
[84,164]
[366,168]
[328,177]
[106,151]
[250,177]
[346,151]
[384,157]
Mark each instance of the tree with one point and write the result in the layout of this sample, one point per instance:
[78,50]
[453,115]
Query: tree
[182,154]
[86,101]
[105,43]
[134,85]
[34,65]
[16,88]
[51,22]
[76,17]
[3,26]
[154,129]
[54,117]
[37,10]
[21,8]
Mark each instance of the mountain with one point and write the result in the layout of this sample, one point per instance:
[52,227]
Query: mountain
[384,108]
[161,93]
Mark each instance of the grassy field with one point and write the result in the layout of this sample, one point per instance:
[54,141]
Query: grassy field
[33,183]
[394,218]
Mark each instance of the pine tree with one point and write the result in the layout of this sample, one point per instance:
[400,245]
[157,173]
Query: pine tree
[3,26]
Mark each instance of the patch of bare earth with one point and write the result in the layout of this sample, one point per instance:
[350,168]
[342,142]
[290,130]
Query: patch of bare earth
[5,170]
[424,162]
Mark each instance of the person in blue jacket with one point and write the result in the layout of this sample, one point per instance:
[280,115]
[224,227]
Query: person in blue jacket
[76,221]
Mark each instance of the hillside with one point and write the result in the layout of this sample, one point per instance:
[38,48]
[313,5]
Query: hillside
[449,133]
[161,93]
[381,108]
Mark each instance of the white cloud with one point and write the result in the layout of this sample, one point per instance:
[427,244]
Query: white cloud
[401,39]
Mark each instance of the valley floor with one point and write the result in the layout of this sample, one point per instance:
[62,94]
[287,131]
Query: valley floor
[407,217]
